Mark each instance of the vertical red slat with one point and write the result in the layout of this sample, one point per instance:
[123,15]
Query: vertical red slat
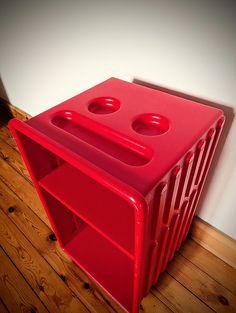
[187,166]
[219,127]
[167,218]
[157,220]
[209,141]
[187,217]
[191,214]
[158,210]
[176,219]
[196,163]
[170,239]
[182,214]
[171,194]
[161,250]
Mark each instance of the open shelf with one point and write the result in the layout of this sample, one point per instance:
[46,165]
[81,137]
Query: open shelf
[108,266]
[98,257]
[113,218]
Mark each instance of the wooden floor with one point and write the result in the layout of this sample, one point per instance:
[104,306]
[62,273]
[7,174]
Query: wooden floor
[36,276]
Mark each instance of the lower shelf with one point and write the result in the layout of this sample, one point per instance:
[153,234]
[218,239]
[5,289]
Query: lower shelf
[112,269]
[109,267]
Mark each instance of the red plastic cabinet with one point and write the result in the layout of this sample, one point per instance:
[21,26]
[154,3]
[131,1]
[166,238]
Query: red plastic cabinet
[119,169]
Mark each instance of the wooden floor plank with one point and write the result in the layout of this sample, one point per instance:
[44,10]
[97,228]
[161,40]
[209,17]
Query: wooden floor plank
[163,299]
[6,135]
[202,285]
[215,241]
[24,190]
[150,304]
[52,291]
[207,262]
[177,297]
[13,158]
[17,299]
[38,234]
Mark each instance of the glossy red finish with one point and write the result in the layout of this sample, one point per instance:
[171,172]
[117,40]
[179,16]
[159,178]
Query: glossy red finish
[119,169]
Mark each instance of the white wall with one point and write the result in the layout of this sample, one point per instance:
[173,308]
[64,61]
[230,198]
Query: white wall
[52,50]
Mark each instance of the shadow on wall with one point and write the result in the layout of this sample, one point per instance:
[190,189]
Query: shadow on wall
[229,116]
[5,110]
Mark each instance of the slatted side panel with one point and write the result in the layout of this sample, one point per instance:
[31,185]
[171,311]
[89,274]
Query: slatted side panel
[211,144]
[176,201]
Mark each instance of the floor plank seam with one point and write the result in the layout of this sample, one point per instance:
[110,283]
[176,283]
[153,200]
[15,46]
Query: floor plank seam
[4,305]
[161,300]
[213,278]
[168,303]
[20,199]
[10,259]
[196,296]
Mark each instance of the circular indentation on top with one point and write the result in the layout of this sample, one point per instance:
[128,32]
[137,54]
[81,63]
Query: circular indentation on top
[104,105]
[151,124]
